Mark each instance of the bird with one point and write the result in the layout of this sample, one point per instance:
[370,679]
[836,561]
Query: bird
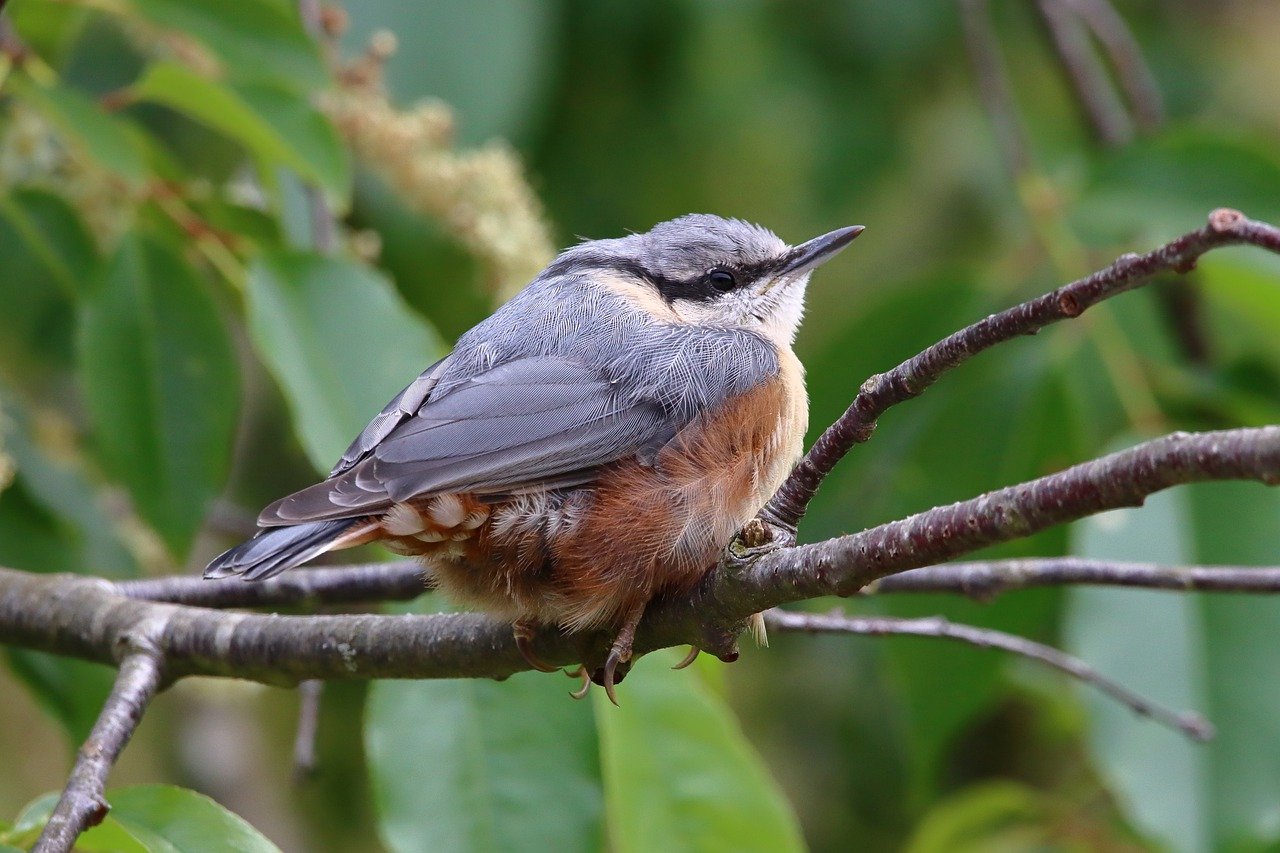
[592,445]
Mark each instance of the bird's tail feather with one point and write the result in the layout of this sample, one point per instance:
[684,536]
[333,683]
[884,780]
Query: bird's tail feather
[278,548]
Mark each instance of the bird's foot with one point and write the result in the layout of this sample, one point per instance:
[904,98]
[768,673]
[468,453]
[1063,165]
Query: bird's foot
[524,632]
[619,656]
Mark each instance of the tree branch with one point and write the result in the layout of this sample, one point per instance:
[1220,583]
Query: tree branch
[992,83]
[911,377]
[985,580]
[843,566]
[83,616]
[1188,722]
[402,580]
[1090,82]
[1131,68]
[82,803]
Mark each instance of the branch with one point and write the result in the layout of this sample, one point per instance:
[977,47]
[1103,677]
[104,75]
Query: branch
[992,81]
[84,616]
[843,566]
[985,580]
[402,580]
[304,740]
[82,803]
[911,377]
[1136,79]
[1188,722]
[1089,79]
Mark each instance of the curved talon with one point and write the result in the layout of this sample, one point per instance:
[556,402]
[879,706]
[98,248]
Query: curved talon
[610,669]
[524,634]
[581,692]
[694,651]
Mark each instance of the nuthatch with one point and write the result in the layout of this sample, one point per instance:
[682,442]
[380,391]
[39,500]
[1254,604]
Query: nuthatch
[595,443]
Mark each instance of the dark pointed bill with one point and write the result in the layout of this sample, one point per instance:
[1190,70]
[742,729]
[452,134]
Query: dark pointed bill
[819,250]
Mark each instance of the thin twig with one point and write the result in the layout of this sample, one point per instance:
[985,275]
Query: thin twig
[83,803]
[986,579]
[1189,723]
[402,580]
[1089,79]
[992,80]
[304,741]
[911,377]
[1131,68]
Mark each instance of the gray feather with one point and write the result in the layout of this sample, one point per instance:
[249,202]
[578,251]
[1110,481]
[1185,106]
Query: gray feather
[274,550]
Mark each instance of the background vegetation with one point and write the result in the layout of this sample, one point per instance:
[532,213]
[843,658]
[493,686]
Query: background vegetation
[183,338]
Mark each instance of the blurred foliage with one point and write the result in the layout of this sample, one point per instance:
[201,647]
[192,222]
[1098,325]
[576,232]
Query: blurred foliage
[182,338]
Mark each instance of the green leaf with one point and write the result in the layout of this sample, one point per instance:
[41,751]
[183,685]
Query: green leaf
[106,837]
[1151,642]
[338,339]
[154,819]
[49,259]
[277,127]
[1206,652]
[1242,291]
[1170,182]
[262,40]
[103,137]
[985,817]
[474,765]
[160,380]
[678,773]
[49,29]
[1237,523]
[164,817]
[27,825]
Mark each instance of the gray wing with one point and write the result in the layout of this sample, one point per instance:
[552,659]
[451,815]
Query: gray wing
[529,421]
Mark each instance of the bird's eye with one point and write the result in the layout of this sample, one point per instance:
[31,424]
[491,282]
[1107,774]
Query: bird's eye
[722,280]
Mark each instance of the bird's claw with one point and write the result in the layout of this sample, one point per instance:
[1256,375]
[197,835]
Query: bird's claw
[688,659]
[580,672]
[524,634]
[609,678]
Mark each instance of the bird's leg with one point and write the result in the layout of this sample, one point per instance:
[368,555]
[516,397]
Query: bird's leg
[620,653]
[524,631]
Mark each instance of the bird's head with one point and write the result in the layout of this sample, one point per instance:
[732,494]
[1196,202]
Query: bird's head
[707,270]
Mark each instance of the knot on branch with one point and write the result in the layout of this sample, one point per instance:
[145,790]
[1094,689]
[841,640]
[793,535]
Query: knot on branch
[1225,219]
[144,637]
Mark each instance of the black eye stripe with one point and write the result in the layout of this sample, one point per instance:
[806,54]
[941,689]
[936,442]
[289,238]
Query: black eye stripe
[699,288]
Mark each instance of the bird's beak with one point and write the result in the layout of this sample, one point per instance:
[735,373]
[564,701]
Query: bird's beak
[812,254]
